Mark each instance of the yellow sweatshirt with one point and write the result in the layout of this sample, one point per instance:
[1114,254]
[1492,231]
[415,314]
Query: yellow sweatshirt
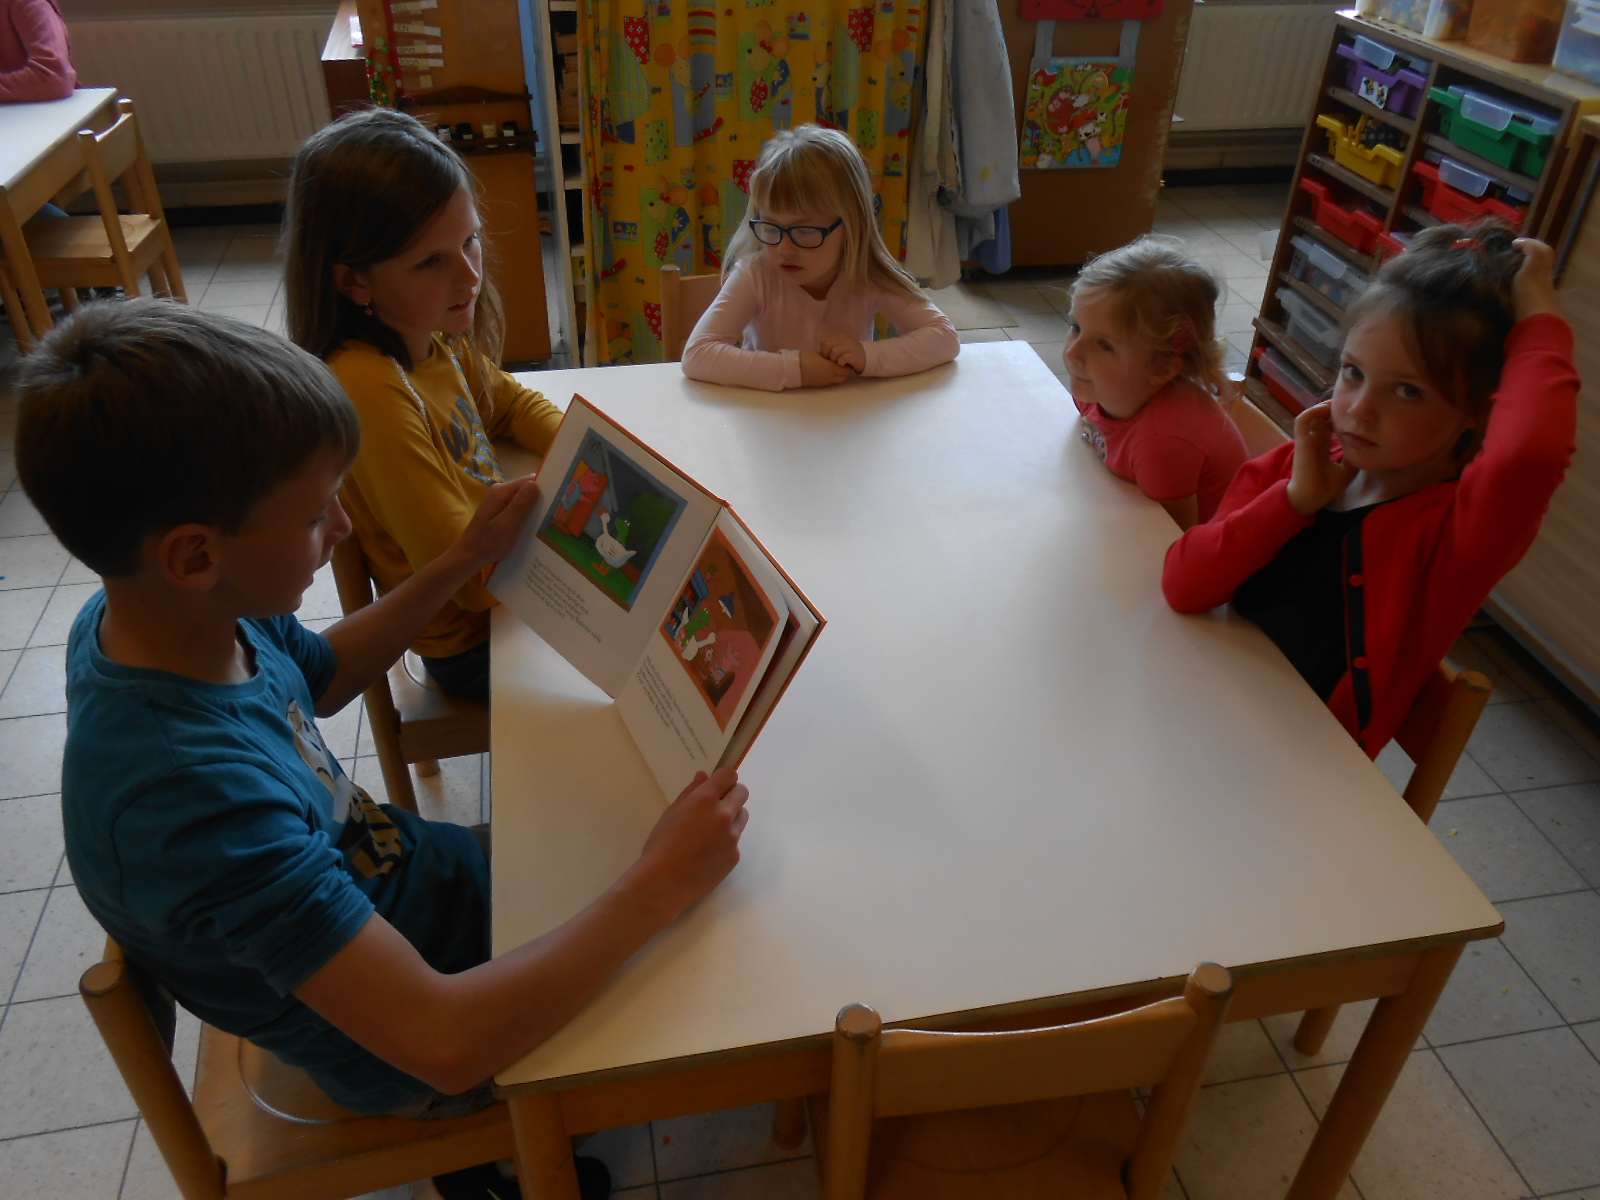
[418,479]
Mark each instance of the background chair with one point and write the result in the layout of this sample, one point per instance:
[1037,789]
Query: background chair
[255,1127]
[112,249]
[412,721]
[921,1114]
[1433,735]
[684,300]
[1261,432]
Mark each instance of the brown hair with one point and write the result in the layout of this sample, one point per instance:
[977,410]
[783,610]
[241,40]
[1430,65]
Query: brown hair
[140,415]
[812,169]
[1165,299]
[1451,291]
[361,191]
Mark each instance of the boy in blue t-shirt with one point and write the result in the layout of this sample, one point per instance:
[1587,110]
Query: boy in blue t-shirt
[194,462]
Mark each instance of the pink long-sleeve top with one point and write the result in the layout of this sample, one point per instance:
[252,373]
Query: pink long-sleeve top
[775,319]
[35,53]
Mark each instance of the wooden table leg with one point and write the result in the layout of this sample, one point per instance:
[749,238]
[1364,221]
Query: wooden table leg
[1380,1056]
[20,266]
[544,1152]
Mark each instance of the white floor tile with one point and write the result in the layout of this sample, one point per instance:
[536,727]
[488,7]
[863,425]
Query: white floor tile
[147,1177]
[68,943]
[55,624]
[1468,779]
[8,469]
[1505,853]
[1521,747]
[1271,1118]
[1339,1044]
[795,1180]
[1489,995]
[1243,1051]
[1468,655]
[454,794]
[31,562]
[1570,818]
[240,294]
[85,1164]
[19,613]
[1554,938]
[1539,1093]
[719,1141]
[55,1072]
[78,572]
[37,684]
[627,1155]
[19,918]
[30,842]
[18,516]
[31,749]
[1428,1143]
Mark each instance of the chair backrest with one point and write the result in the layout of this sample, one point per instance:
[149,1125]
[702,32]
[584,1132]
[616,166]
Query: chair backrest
[125,1011]
[117,155]
[1261,432]
[901,1072]
[1437,730]
[684,300]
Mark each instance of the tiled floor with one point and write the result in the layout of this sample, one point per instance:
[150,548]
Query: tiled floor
[1501,1100]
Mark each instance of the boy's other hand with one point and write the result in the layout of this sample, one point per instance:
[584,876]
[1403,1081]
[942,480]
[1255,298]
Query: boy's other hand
[1316,481]
[1533,288]
[845,351]
[493,529]
[817,370]
[695,844]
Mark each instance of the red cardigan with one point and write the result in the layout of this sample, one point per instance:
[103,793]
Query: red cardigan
[1428,560]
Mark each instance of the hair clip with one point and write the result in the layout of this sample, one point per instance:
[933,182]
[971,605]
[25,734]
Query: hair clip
[1182,341]
[1467,243]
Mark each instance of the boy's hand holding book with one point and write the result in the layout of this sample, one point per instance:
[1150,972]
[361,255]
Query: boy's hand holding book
[695,844]
[495,527]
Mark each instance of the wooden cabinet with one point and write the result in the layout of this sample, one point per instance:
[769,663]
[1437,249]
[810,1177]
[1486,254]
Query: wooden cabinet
[468,74]
[1380,184]
[1549,602]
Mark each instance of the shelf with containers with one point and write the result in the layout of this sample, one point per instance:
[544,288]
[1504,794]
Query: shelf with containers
[1405,132]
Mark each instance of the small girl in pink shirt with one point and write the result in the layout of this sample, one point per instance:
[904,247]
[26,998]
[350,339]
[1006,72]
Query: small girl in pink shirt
[806,275]
[1146,373]
[35,52]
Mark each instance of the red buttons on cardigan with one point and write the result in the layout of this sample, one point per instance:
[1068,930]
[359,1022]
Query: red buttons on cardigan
[1355,581]
[1360,663]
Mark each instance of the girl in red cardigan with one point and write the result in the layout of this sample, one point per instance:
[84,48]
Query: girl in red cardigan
[1365,546]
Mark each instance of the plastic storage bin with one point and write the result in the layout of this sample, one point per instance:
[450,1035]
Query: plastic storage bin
[1318,267]
[1355,226]
[1365,148]
[1413,14]
[1578,48]
[1458,194]
[1521,30]
[1506,133]
[1292,389]
[1447,20]
[1315,330]
[1381,77]
[1391,244]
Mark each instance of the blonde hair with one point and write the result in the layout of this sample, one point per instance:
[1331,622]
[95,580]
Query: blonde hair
[1167,300]
[817,170]
[362,189]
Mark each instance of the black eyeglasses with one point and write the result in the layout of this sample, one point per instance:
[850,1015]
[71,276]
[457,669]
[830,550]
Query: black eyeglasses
[807,237]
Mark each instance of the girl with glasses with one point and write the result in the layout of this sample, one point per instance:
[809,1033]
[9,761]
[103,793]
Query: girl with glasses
[807,274]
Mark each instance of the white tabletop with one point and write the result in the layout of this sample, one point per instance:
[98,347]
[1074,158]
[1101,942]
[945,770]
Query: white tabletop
[1007,770]
[28,132]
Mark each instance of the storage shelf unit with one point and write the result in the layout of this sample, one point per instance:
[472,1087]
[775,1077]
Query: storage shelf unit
[1401,208]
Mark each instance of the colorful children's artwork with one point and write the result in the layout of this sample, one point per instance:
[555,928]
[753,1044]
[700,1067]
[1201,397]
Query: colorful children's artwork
[719,626]
[1077,113]
[610,519]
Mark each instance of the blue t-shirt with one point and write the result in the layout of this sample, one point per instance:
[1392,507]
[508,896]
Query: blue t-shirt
[213,835]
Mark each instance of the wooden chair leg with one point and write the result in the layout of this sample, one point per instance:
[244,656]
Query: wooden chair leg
[427,768]
[1314,1026]
[69,298]
[16,313]
[169,263]
[789,1123]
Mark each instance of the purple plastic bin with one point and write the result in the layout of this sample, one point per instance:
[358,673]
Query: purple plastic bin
[1398,91]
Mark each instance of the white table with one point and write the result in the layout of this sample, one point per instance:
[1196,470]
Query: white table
[39,157]
[1008,777]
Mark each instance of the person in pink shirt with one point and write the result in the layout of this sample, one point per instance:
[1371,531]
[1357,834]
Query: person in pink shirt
[805,277]
[35,53]
[1146,373]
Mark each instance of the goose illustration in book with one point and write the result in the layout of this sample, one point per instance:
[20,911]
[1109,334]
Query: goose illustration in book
[611,548]
[694,645]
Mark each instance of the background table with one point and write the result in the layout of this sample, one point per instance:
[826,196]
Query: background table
[39,158]
[1007,777]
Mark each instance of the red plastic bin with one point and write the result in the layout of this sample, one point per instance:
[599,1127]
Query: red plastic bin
[1354,226]
[1458,208]
[1291,388]
[1391,244]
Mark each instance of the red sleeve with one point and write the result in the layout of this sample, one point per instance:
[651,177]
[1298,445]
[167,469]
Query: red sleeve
[48,73]
[1168,468]
[1506,489]
[1207,564]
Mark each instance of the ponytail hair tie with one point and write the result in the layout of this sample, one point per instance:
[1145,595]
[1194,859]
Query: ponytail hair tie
[1182,341]
[1466,243]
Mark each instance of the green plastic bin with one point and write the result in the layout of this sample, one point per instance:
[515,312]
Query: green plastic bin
[1513,137]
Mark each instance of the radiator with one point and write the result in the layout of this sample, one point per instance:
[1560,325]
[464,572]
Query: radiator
[212,89]
[1252,66]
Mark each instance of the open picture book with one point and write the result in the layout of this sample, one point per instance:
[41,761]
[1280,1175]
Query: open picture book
[659,594]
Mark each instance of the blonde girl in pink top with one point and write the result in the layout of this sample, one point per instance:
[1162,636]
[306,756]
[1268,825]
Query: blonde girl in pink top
[1145,370]
[805,277]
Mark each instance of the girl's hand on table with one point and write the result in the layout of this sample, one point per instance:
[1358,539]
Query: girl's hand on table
[817,370]
[845,351]
[695,844]
[1316,481]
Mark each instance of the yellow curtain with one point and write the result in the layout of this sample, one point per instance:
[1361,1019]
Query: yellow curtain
[681,98]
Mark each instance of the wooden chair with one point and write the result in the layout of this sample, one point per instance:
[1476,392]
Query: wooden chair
[15,312]
[1261,432]
[412,720]
[933,1116]
[684,299]
[1433,735]
[256,1129]
[112,249]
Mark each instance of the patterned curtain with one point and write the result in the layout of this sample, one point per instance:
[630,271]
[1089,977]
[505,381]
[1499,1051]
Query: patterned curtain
[682,94]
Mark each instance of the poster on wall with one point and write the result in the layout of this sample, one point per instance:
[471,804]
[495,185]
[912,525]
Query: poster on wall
[1076,114]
